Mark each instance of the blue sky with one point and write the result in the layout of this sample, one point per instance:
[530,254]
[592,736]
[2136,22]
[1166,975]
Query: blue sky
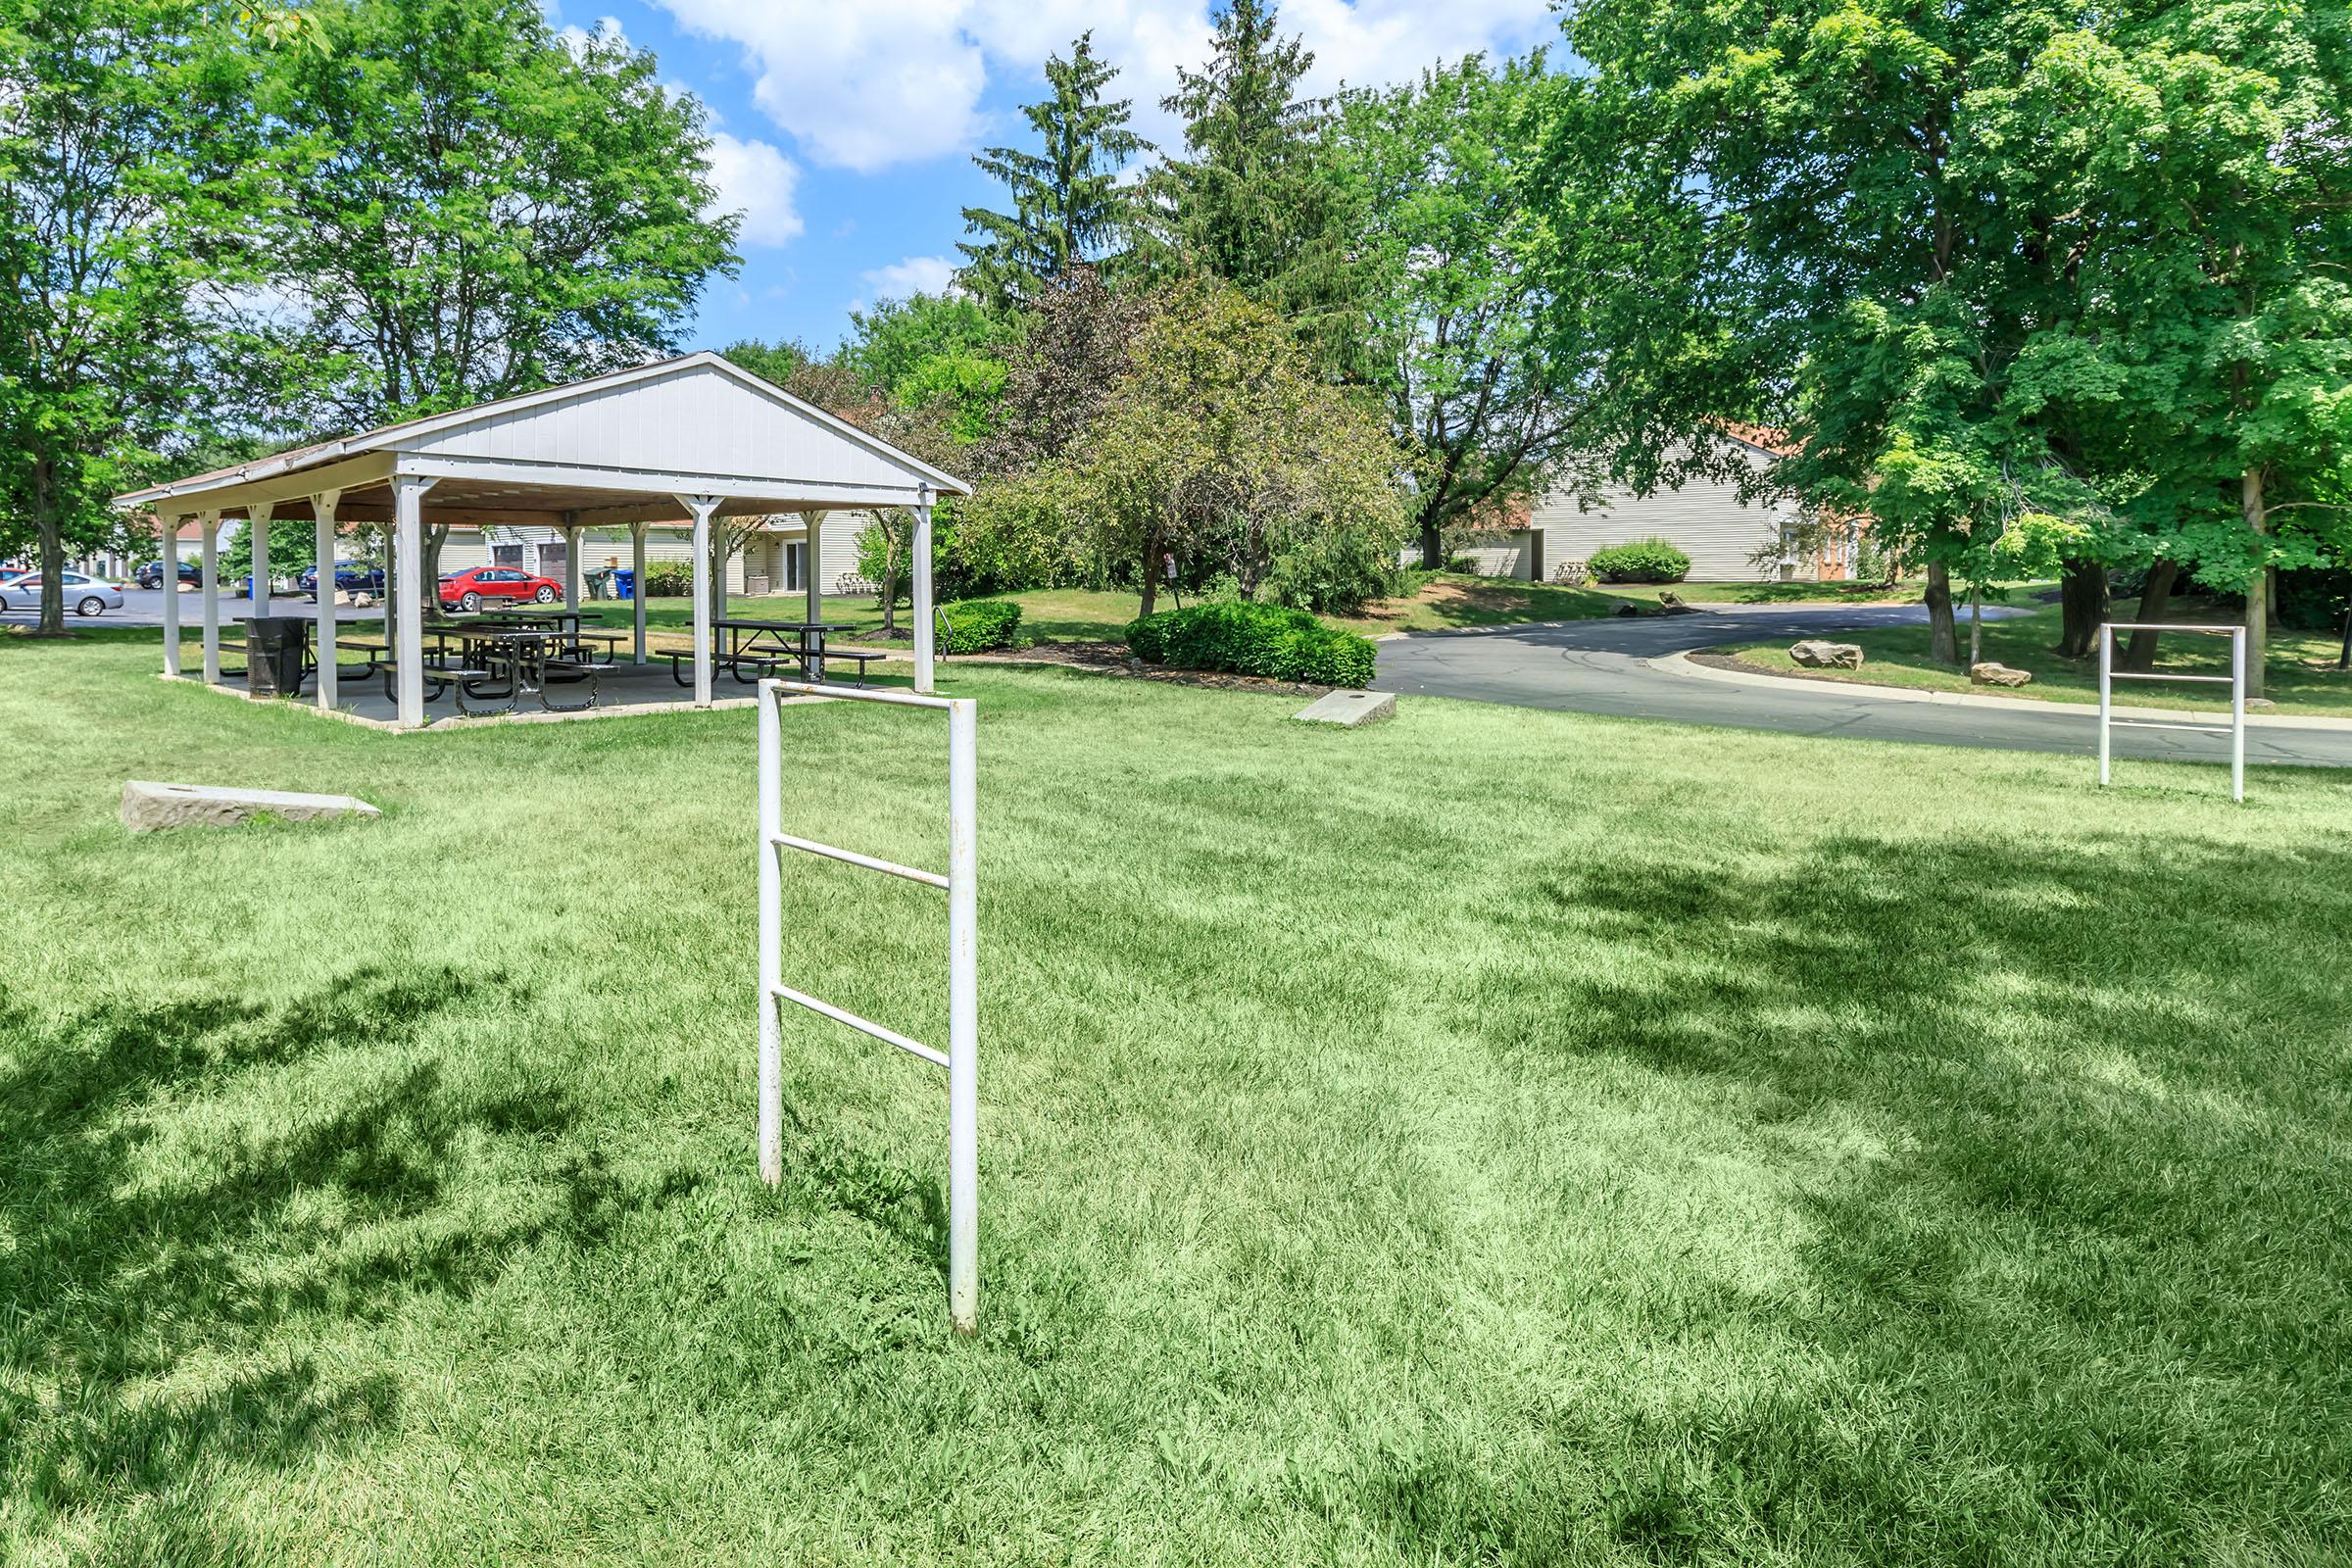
[845,129]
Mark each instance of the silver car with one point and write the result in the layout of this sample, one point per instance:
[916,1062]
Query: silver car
[84,596]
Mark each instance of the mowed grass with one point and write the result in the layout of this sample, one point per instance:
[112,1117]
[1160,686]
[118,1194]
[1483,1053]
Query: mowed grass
[1493,1136]
[2300,675]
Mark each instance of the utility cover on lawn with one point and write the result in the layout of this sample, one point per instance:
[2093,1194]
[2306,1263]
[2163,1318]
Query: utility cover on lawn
[1347,710]
[148,806]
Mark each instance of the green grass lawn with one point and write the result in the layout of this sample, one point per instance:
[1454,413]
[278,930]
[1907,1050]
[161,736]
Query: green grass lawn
[1448,599]
[2299,676]
[1493,1136]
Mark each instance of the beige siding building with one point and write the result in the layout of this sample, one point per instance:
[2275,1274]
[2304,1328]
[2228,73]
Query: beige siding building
[1728,539]
[770,564]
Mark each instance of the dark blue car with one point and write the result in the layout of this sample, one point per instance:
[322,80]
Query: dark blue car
[351,576]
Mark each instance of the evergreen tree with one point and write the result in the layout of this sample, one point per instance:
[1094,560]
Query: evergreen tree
[1068,207]
[1253,203]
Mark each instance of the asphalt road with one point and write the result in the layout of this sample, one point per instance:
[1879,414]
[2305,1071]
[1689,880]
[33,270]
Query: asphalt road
[143,607]
[1602,667]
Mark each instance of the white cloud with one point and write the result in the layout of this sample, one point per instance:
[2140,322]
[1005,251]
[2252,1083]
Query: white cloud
[877,83]
[917,275]
[756,178]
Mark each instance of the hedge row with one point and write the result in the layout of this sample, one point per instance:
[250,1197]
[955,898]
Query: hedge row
[1253,640]
[1640,560]
[978,624]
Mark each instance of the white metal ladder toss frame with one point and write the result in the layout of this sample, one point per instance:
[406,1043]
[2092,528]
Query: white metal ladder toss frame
[964,1005]
[2235,680]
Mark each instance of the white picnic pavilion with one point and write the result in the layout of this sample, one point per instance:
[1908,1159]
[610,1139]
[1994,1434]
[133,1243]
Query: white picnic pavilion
[670,445]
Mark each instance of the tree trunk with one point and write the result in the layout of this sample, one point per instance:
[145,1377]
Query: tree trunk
[1976,625]
[1944,635]
[2257,595]
[1151,570]
[52,550]
[1432,546]
[2081,606]
[2155,603]
[428,577]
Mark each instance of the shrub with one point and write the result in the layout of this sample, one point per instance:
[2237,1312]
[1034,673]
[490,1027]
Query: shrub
[978,624]
[1337,570]
[669,579]
[1253,640]
[1640,561]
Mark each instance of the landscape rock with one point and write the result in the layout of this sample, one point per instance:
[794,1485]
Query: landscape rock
[1673,604]
[1349,710]
[148,806]
[1815,654]
[1989,673]
[2261,705]
[362,601]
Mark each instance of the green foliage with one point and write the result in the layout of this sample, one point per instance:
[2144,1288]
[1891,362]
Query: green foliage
[1069,206]
[1494,389]
[461,208]
[778,363]
[1247,639]
[1253,201]
[127,150]
[962,388]
[1640,560]
[1218,445]
[891,341]
[1336,570]
[975,626]
[668,579]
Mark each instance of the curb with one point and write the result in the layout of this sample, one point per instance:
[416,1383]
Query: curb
[1680,664]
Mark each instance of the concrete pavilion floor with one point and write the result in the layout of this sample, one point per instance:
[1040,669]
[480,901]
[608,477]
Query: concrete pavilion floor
[620,688]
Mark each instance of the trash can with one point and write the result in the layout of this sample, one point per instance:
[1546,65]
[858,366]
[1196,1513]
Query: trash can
[275,646]
[624,583]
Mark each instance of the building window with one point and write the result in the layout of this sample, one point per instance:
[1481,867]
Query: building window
[796,566]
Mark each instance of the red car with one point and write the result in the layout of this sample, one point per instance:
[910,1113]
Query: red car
[470,590]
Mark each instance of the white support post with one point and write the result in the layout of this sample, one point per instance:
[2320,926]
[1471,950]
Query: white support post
[408,594]
[923,612]
[571,567]
[2106,704]
[964,1016]
[257,524]
[2238,712]
[637,580]
[171,564]
[211,576]
[771,942]
[322,507]
[700,509]
[813,524]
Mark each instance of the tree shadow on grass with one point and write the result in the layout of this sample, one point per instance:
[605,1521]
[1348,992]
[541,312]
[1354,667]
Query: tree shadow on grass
[156,1255]
[2084,1296]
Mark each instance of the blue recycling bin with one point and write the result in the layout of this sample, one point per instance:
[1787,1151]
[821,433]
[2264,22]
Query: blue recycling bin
[624,583]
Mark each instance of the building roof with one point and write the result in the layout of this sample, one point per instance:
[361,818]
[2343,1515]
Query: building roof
[612,448]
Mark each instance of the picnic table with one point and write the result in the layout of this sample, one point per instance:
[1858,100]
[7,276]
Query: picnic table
[495,665]
[762,647]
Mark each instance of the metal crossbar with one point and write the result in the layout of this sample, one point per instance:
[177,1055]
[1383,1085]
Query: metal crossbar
[2235,680]
[961,886]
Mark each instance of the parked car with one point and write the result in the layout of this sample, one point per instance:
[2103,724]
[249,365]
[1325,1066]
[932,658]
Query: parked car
[351,576]
[151,575]
[470,590]
[84,596]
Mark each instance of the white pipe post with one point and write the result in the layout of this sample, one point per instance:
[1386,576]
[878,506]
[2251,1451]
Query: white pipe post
[408,594]
[2237,712]
[257,523]
[700,507]
[2106,678]
[637,583]
[963,1019]
[323,509]
[170,568]
[209,557]
[813,524]
[923,616]
[771,937]
[571,567]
